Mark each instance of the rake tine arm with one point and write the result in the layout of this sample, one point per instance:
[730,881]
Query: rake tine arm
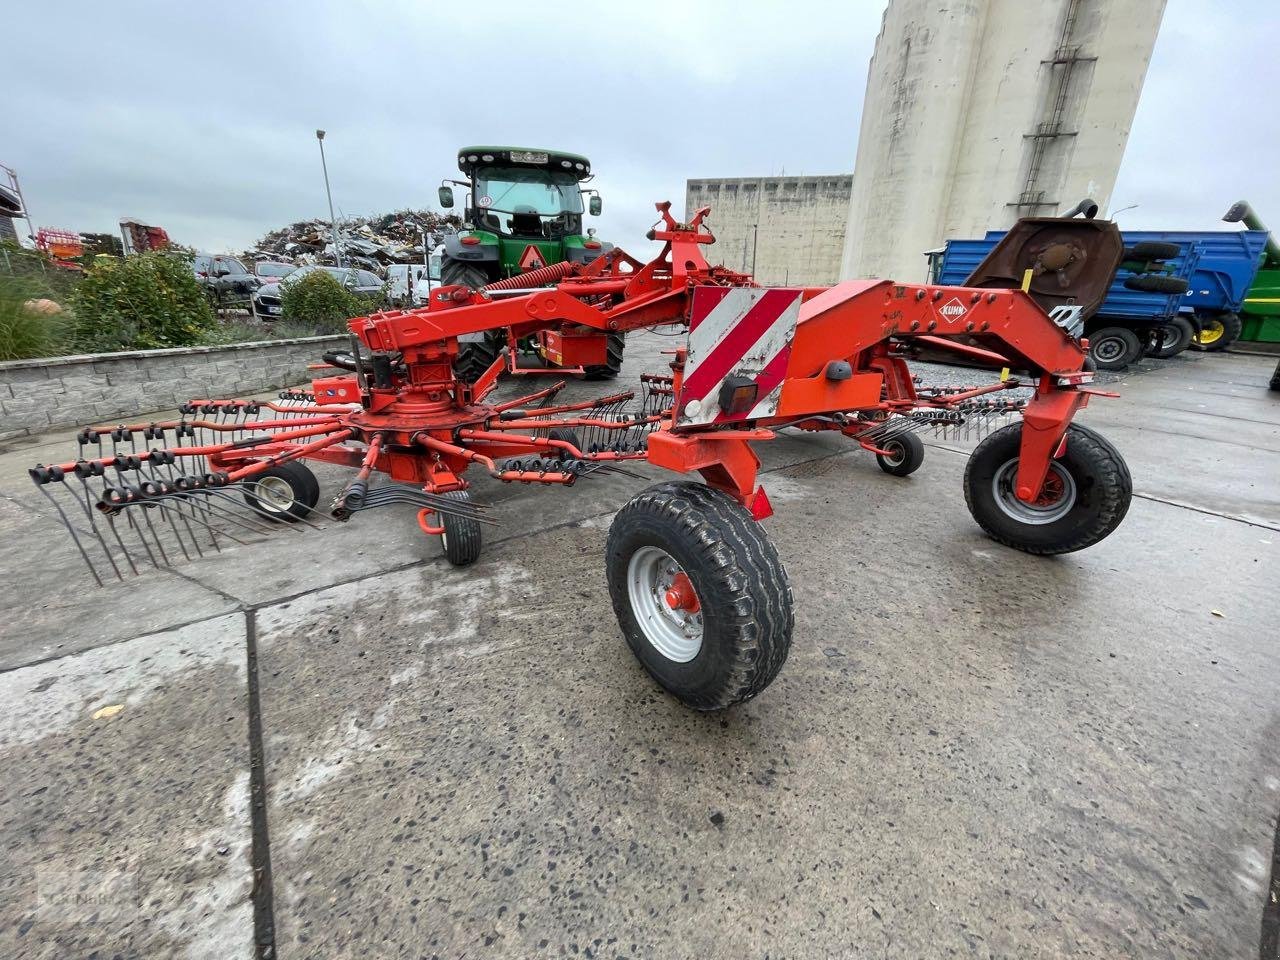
[550,391]
[524,476]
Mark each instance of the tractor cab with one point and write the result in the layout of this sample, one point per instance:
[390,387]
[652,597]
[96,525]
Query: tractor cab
[523,210]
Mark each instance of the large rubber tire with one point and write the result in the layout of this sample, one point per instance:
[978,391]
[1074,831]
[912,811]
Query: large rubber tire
[1156,283]
[908,454]
[1149,250]
[287,492]
[613,366]
[737,576]
[1113,348]
[475,357]
[1175,336]
[461,539]
[1093,503]
[1275,378]
[1218,332]
[459,272]
[566,435]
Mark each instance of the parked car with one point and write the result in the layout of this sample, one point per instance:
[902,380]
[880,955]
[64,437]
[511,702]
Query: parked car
[363,283]
[225,279]
[269,271]
[407,283]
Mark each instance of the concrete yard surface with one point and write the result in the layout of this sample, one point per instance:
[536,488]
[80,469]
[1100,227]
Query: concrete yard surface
[333,744]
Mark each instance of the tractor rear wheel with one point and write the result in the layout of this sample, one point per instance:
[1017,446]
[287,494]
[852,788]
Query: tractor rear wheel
[700,593]
[1218,332]
[1085,495]
[461,537]
[286,492]
[474,356]
[613,365]
[1114,348]
[1174,337]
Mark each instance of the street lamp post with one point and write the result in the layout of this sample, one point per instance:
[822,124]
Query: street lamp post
[337,250]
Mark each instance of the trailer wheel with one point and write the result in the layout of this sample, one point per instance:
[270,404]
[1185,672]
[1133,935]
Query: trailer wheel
[1114,348]
[613,365]
[700,594]
[1218,332]
[906,453]
[1149,250]
[1086,494]
[1174,337]
[461,537]
[286,492]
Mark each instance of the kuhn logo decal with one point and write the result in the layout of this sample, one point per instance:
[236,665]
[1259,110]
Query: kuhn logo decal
[953,309]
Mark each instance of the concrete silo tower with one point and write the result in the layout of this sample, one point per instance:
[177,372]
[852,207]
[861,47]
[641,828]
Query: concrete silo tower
[978,112]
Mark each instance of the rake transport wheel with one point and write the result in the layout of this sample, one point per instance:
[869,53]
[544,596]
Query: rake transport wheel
[700,593]
[461,537]
[566,435]
[613,366]
[1086,493]
[906,455]
[288,492]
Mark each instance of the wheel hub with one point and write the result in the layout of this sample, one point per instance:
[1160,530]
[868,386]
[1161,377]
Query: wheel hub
[1109,349]
[1057,494]
[274,493]
[665,604]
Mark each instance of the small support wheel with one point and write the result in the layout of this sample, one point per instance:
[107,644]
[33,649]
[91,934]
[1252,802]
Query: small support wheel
[567,435]
[461,537]
[700,594]
[286,492]
[1086,493]
[906,453]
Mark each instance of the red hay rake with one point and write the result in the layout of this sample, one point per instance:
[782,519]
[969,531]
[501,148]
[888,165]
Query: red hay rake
[699,590]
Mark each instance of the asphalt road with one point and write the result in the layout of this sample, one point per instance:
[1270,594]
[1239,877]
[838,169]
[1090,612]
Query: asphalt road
[970,751]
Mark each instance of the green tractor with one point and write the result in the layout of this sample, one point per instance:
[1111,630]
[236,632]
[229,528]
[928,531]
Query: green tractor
[523,212]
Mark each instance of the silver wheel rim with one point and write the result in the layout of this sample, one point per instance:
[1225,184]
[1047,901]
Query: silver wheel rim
[274,494]
[897,452]
[1112,348]
[1002,486]
[674,633]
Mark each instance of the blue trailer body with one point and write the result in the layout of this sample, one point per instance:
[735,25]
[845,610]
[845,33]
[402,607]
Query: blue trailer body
[960,258]
[1229,262]
[1219,265]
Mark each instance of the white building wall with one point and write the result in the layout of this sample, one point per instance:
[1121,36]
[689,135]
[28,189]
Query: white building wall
[955,96]
[790,228]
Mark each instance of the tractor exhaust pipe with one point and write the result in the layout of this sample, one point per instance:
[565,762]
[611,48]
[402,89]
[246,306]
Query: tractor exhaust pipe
[1086,206]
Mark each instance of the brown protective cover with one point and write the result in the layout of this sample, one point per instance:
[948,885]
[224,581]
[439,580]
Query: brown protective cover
[1073,261]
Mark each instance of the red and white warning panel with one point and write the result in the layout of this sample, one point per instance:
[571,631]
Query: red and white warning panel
[739,346]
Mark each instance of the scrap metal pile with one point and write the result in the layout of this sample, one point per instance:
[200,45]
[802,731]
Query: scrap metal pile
[698,588]
[368,242]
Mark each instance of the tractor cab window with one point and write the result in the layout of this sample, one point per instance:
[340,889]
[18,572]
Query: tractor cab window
[525,200]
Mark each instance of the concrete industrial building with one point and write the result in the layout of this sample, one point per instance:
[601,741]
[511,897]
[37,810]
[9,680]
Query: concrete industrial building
[978,112]
[784,230]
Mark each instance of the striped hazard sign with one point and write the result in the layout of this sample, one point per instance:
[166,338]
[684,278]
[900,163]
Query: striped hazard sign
[737,332]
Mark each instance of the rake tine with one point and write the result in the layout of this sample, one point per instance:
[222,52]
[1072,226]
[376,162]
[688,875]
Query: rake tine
[164,505]
[71,530]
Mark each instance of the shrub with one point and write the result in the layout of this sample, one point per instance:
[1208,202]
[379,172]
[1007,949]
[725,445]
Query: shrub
[318,300]
[27,327]
[142,302]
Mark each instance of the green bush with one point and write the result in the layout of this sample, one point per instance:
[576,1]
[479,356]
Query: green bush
[143,302]
[318,300]
[27,332]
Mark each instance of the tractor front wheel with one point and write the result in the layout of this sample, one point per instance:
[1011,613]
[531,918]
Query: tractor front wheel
[1085,496]
[700,593]
[1218,332]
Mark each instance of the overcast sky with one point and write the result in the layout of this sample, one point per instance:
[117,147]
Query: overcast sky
[201,117]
